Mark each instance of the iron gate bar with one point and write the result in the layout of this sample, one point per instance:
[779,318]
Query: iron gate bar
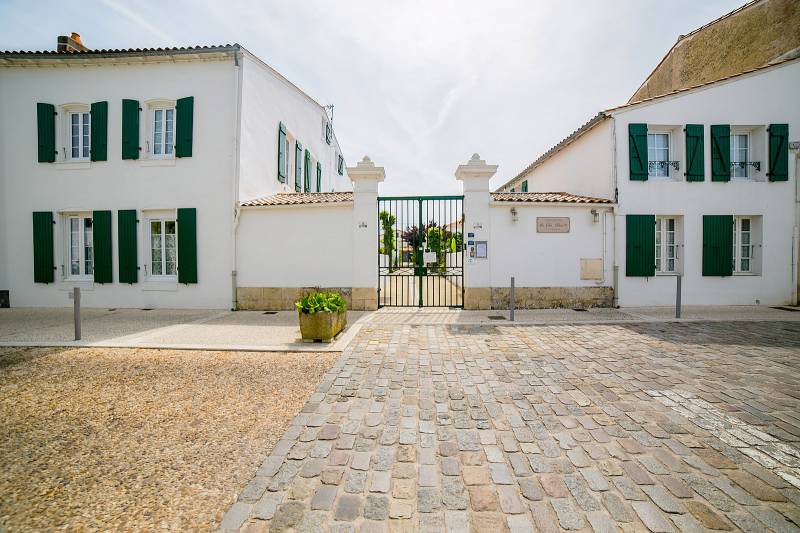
[401,279]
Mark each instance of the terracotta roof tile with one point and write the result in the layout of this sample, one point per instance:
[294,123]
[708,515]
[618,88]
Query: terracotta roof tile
[300,198]
[124,51]
[547,197]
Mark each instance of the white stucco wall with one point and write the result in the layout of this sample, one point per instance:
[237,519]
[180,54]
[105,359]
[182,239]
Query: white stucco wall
[296,246]
[267,100]
[203,181]
[587,174]
[759,99]
[546,259]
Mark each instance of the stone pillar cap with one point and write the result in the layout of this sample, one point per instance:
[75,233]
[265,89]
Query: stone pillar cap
[366,170]
[475,168]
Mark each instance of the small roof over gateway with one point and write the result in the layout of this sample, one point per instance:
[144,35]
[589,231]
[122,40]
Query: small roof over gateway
[547,197]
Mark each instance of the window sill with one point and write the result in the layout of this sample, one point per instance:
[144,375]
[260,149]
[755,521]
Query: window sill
[165,286]
[73,165]
[166,162]
[667,274]
[745,274]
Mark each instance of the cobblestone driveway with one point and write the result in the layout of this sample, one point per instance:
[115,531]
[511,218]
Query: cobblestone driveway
[633,427]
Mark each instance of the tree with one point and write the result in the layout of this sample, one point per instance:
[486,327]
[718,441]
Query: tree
[387,223]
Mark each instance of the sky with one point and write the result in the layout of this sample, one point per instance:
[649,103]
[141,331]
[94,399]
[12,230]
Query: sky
[419,86]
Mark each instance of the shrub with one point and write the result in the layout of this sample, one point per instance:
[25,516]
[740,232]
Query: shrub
[316,302]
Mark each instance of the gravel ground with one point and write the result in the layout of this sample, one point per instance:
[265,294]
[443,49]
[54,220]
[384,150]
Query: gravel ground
[132,440]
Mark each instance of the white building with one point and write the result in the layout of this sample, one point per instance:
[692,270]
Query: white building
[705,186]
[122,171]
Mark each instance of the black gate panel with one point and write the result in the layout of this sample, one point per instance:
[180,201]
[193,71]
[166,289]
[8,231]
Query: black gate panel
[421,251]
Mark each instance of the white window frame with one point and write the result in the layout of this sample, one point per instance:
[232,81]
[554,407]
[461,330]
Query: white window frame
[64,135]
[738,256]
[82,274]
[663,247]
[161,216]
[84,140]
[151,106]
[668,174]
[749,156]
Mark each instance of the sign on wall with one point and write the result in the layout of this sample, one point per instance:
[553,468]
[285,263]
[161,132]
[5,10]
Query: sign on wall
[552,224]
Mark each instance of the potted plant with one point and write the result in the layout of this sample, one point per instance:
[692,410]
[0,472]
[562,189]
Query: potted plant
[322,315]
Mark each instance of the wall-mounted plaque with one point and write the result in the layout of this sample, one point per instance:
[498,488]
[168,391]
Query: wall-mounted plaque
[552,224]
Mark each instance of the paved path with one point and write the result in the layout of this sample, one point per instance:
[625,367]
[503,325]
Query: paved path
[634,427]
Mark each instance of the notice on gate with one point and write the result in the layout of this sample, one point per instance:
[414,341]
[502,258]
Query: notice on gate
[552,224]
[429,257]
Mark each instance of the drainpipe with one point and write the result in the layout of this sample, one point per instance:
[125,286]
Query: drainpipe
[795,146]
[237,88]
[615,267]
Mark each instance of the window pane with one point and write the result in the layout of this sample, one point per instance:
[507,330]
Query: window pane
[75,135]
[88,250]
[155,248]
[168,129]
[74,247]
[85,141]
[157,135]
[657,151]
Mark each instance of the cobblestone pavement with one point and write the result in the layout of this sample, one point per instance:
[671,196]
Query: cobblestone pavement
[633,427]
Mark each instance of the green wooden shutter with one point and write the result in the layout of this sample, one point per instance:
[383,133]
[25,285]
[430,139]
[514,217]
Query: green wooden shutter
[640,245]
[187,245]
[328,133]
[637,151]
[319,177]
[307,180]
[778,152]
[340,166]
[126,241]
[99,143]
[717,245]
[101,241]
[298,167]
[130,129]
[43,267]
[46,126]
[282,153]
[525,186]
[721,152]
[695,150]
[184,124]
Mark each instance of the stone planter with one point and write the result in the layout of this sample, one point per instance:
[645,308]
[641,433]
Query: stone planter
[321,326]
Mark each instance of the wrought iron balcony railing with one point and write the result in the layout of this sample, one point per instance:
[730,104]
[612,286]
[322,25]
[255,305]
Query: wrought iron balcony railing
[744,164]
[653,165]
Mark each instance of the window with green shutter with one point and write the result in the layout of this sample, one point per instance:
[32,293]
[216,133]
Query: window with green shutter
[282,159]
[184,126]
[319,177]
[525,186]
[187,245]
[130,129]
[46,129]
[43,267]
[778,152]
[307,180]
[640,245]
[340,165]
[101,242]
[717,245]
[637,151]
[720,152]
[695,158]
[126,242]
[298,167]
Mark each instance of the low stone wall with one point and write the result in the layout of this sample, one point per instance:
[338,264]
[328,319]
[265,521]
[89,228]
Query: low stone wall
[283,298]
[538,297]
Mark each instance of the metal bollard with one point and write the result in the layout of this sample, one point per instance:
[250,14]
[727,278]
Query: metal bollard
[512,303]
[76,311]
[678,297]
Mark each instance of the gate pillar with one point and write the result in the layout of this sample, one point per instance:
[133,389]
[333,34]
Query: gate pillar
[474,178]
[365,177]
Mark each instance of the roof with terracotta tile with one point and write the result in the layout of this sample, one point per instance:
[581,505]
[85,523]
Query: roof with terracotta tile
[124,51]
[300,198]
[547,197]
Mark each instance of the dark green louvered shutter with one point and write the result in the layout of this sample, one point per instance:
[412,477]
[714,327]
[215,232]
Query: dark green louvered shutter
[43,267]
[340,166]
[695,158]
[126,242]
[298,167]
[640,245]
[328,133]
[184,125]
[282,163]
[130,129]
[46,129]
[101,241]
[307,180]
[637,151]
[778,152]
[99,143]
[525,186]
[187,245]
[721,152]
[717,245]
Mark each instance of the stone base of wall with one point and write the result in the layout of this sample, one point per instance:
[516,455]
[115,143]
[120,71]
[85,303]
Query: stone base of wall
[283,298]
[538,297]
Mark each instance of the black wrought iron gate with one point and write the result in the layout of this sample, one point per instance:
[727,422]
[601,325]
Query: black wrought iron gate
[421,251]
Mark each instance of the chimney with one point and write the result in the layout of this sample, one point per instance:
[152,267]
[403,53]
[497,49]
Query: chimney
[70,44]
